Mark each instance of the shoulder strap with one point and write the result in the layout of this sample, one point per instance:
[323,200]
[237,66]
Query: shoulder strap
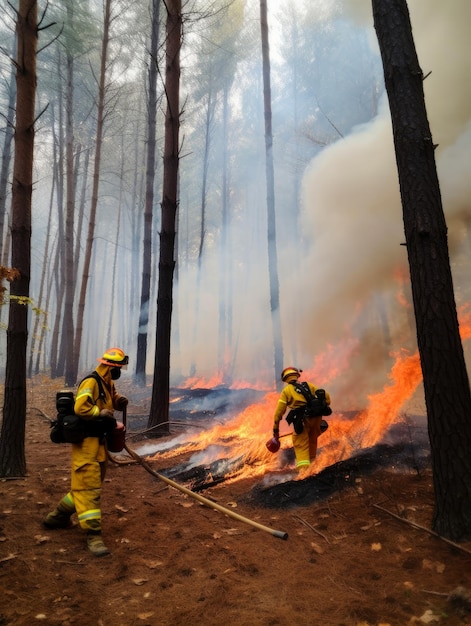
[97,377]
[303,389]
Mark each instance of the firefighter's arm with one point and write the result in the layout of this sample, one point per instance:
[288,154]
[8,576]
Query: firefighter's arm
[279,412]
[85,402]
[119,402]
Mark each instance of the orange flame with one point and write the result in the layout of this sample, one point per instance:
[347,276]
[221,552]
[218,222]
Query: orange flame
[244,436]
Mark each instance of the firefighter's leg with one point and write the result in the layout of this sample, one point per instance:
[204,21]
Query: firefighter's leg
[60,516]
[313,428]
[301,449]
[88,462]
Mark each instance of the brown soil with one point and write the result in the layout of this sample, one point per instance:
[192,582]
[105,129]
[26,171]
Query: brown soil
[177,562]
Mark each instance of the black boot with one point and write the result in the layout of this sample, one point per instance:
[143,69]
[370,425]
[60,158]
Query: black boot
[57,519]
[95,544]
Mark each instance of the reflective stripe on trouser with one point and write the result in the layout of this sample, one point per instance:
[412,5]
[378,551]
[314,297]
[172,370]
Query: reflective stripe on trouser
[88,471]
[305,444]
[66,505]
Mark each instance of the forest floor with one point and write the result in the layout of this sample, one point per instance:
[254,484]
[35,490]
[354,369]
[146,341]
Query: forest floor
[347,561]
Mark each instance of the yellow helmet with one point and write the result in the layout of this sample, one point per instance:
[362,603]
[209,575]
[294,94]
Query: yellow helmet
[289,373]
[114,357]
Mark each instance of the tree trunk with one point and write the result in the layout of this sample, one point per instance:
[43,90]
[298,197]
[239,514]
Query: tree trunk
[271,217]
[96,182]
[57,354]
[161,382]
[210,106]
[447,390]
[38,326]
[6,158]
[68,322]
[4,175]
[12,439]
[225,277]
[142,335]
[117,310]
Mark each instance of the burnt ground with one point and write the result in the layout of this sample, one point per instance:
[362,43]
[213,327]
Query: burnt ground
[358,552]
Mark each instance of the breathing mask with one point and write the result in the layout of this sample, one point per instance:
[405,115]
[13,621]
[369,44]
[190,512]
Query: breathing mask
[115,373]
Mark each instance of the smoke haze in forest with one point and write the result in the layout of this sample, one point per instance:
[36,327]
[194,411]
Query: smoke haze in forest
[337,293]
[344,279]
[352,206]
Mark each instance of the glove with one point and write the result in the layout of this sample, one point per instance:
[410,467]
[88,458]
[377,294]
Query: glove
[110,424]
[122,403]
[108,420]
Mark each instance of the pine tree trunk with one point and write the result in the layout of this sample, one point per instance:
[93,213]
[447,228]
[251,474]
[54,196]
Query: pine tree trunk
[161,382]
[447,391]
[271,216]
[94,201]
[6,159]
[68,321]
[142,336]
[12,438]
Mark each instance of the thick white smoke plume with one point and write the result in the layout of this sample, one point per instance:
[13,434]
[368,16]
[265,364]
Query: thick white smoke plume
[351,196]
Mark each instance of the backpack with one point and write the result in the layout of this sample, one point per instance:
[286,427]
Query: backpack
[316,406]
[69,427]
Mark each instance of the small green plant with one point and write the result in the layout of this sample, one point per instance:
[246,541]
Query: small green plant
[10,274]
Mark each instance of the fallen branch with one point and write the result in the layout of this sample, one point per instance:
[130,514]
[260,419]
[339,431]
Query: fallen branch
[45,415]
[8,558]
[419,527]
[311,527]
[275,533]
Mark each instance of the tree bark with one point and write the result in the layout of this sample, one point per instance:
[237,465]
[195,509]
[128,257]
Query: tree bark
[96,182]
[12,438]
[447,390]
[210,108]
[271,216]
[143,329]
[161,382]
[68,321]
[5,168]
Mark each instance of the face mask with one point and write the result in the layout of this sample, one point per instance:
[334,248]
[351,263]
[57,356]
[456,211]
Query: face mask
[115,373]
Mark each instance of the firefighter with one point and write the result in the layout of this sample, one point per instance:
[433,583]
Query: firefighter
[89,458]
[305,442]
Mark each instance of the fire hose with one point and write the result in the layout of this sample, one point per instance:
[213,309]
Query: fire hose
[276,533]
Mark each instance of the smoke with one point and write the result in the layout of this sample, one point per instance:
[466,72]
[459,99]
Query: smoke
[351,202]
[342,296]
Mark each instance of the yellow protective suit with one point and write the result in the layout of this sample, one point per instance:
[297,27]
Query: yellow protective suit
[304,444]
[89,457]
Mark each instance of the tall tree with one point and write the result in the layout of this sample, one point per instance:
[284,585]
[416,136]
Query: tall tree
[6,158]
[68,321]
[270,183]
[4,175]
[216,62]
[12,438]
[101,102]
[161,382]
[149,198]
[446,383]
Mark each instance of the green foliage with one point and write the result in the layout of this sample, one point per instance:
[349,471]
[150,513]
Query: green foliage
[24,301]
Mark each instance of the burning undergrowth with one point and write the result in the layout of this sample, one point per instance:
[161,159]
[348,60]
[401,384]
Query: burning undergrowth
[224,441]
[221,436]
[283,488]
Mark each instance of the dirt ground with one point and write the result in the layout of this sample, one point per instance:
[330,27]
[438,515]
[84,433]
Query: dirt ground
[175,561]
